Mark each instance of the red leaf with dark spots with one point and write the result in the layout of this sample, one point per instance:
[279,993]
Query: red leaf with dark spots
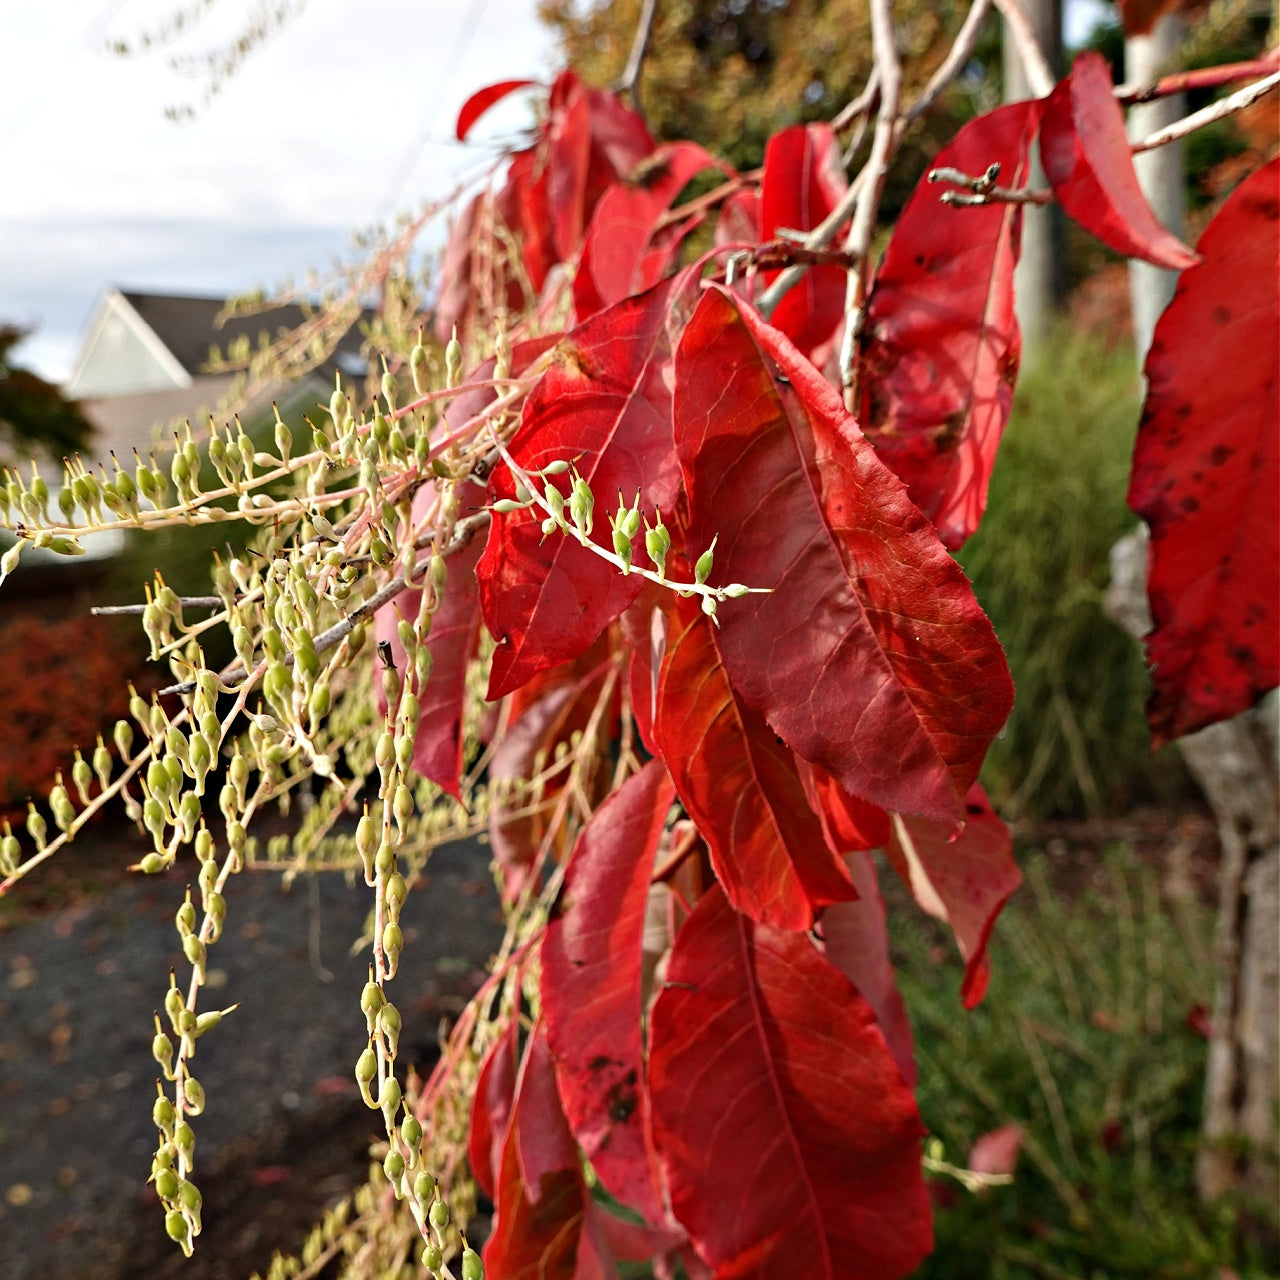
[857,943]
[788,1137]
[963,877]
[1086,157]
[604,403]
[803,181]
[541,1198]
[869,655]
[940,346]
[1206,476]
[740,786]
[480,102]
[491,1110]
[591,987]
[624,226]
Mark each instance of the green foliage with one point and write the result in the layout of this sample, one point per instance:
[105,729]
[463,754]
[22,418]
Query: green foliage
[1088,1048]
[34,415]
[1039,563]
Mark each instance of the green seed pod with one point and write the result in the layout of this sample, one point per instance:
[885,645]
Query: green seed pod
[393,1166]
[702,569]
[82,777]
[339,406]
[188,814]
[173,1001]
[64,813]
[438,573]
[424,1187]
[166,1184]
[229,801]
[173,767]
[207,1021]
[709,608]
[385,862]
[10,853]
[277,685]
[218,456]
[208,877]
[195,951]
[162,1052]
[162,1113]
[396,892]
[432,1258]
[453,362]
[404,753]
[319,702]
[185,922]
[123,735]
[192,1201]
[423,663]
[284,440]
[204,844]
[238,772]
[389,1099]
[504,506]
[366,1072]
[216,910]
[385,750]
[402,806]
[472,1266]
[736,589]
[153,863]
[175,1224]
[389,1025]
[418,368]
[371,1000]
[392,943]
[184,1138]
[166,1154]
[622,548]
[201,758]
[439,1215]
[37,828]
[66,502]
[236,837]
[379,552]
[9,561]
[193,1092]
[410,1134]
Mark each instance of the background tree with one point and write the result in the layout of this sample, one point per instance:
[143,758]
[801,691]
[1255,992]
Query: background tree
[35,417]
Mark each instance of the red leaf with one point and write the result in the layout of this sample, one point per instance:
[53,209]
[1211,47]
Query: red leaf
[605,404]
[491,1111]
[455,628]
[1087,160]
[740,786]
[480,102]
[803,181]
[624,224]
[849,823]
[540,1202]
[964,878]
[870,656]
[940,347]
[857,943]
[1206,476]
[591,987]
[789,1140]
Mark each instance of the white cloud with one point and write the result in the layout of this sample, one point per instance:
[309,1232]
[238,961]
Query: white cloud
[324,131]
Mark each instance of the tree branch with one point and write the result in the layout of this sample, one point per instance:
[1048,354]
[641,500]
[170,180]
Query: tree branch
[629,82]
[1203,78]
[1207,115]
[1039,76]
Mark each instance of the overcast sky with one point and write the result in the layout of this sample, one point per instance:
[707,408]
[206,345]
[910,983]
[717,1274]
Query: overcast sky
[342,120]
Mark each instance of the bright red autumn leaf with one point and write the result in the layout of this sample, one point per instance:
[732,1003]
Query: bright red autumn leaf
[803,181]
[1086,157]
[868,655]
[603,404]
[491,1108]
[480,102]
[940,346]
[856,941]
[962,877]
[591,987]
[847,822]
[1206,476]
[455,629]
[541,1196]
[740,786]
[787,1134]
[624,234]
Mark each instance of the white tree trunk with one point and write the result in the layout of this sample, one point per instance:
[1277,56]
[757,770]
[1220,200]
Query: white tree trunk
[1040,275]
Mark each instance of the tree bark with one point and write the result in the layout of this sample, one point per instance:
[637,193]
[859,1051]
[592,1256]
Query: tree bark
[1161,172]
[1237,763]
[1040,277]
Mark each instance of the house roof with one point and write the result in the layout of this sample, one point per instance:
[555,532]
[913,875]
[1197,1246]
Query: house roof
[188,325]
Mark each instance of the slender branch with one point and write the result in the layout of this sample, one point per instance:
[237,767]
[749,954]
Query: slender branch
[629,82]
[1039,76]
[1202,78]
[187,602]
[957,59]
[885,139]
[863,103]
[1207,115]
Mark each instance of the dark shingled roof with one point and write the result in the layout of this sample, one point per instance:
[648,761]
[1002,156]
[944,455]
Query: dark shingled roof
[188,326]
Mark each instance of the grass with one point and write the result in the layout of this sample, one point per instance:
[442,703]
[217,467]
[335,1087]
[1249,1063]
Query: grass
[1084,1041]
[1076,741]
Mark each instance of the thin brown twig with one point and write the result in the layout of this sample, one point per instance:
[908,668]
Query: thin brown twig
[957,59]
[629,81]
[1229,105]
